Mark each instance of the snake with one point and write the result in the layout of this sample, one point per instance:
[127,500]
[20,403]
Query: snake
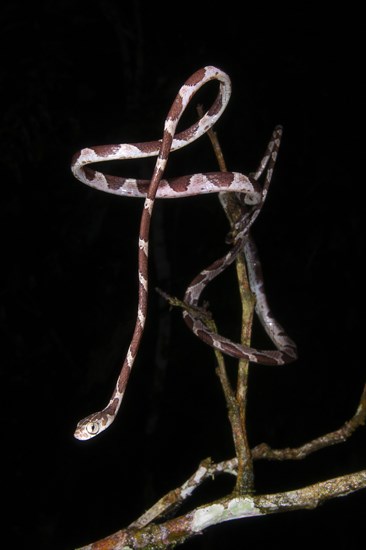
[251,194]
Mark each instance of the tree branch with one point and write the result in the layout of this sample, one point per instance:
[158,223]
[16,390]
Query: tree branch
[179,529]
[208,470]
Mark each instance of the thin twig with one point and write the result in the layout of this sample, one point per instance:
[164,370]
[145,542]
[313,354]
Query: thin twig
[264,451]
[236,409]
[245,478]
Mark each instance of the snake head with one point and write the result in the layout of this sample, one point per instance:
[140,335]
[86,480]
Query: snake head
[96,423]
[90,426]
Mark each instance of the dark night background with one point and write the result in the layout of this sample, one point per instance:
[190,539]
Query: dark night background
[83,73]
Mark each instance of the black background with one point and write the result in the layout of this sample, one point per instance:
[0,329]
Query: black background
[82,73]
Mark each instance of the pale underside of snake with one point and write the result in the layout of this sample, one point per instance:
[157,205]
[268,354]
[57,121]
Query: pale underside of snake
[252,196]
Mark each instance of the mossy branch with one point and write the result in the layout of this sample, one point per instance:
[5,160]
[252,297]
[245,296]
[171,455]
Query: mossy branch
[179,529]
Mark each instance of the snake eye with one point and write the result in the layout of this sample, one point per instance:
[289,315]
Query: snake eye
[92,428]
